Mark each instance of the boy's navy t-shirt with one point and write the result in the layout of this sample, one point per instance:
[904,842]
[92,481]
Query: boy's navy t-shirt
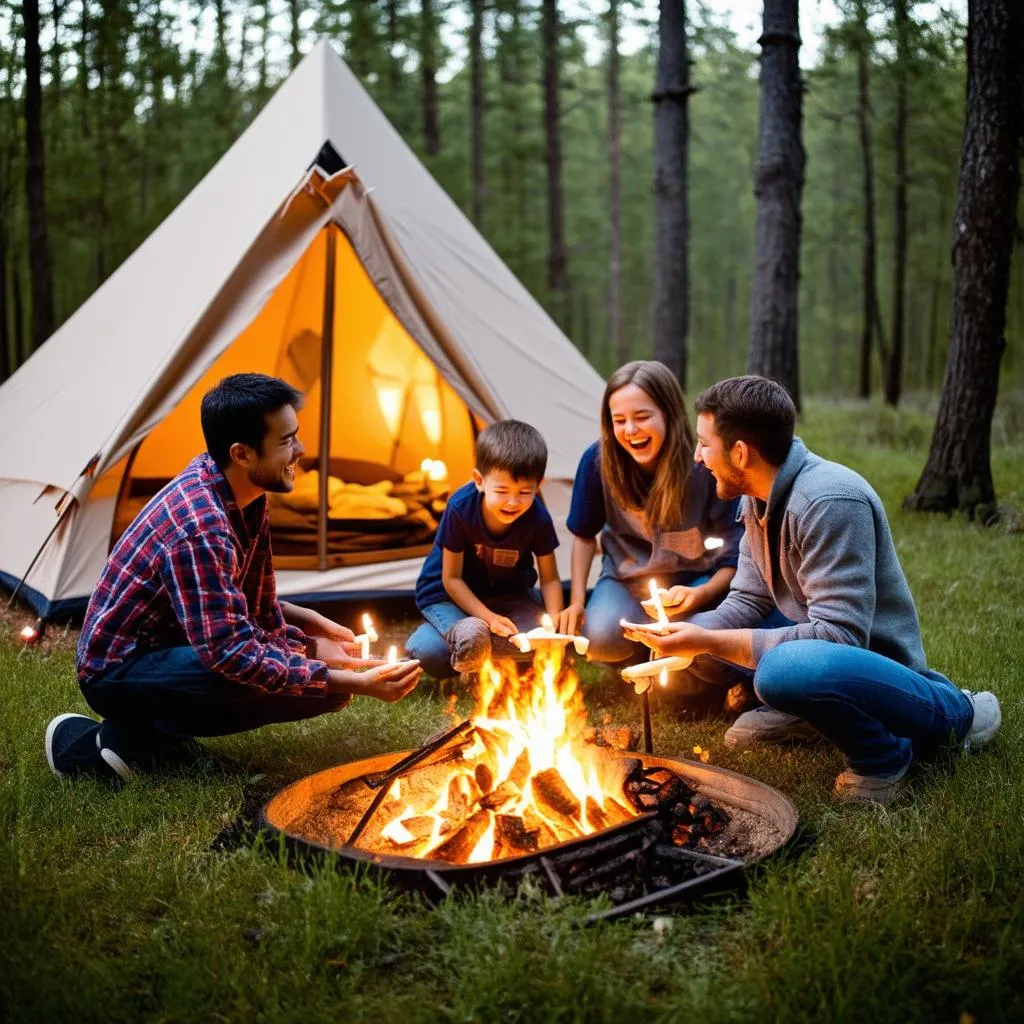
[490,564]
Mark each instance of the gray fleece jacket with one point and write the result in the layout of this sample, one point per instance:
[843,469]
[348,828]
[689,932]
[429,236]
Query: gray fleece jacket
[821,552]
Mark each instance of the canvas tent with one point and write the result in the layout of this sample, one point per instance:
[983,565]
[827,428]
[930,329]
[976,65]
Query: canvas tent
[318,249]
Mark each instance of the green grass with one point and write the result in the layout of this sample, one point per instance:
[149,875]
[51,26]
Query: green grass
[114,907]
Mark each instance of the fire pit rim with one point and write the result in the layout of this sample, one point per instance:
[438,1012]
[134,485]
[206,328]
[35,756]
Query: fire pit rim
[785,818]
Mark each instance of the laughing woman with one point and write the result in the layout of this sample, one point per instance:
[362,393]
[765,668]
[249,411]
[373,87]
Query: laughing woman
[655,510]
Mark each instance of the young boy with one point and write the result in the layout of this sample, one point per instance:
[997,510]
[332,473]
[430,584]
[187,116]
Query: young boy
[479,577]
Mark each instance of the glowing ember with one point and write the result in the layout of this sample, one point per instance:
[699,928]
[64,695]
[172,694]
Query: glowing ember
[28,635]
[526,779]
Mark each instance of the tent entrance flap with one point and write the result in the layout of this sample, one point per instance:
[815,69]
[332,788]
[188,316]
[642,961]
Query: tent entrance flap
[386,436]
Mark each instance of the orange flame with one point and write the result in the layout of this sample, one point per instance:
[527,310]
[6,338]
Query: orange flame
[529,737]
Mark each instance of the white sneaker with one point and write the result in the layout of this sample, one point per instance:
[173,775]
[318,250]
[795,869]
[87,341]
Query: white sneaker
[765,725]
[986,721]
[851,788]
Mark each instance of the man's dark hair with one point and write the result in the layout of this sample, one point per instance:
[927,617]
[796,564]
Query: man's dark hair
[513,446]
[752,409]
[236,410]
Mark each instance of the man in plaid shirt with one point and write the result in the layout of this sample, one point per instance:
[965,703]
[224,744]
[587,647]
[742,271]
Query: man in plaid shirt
[184,635]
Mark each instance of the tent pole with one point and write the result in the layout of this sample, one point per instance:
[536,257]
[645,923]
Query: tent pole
[326,387]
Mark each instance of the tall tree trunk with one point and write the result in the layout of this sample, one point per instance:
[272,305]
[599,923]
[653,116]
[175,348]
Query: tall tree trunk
[835,287]
[958,473]
[294,35]
[261,66]
[6,360]
[476,106]
[616,342]
[729,332]
[670,300]
[22,343]
[870,315]
[41,266]
[778,185]
[557,260]
[894,364]
[428,74]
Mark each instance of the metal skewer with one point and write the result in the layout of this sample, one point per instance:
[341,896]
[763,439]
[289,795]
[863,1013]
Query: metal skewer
[380,782]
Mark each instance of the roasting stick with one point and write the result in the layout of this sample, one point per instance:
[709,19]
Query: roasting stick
[646,699]
[646,695]
[380,783]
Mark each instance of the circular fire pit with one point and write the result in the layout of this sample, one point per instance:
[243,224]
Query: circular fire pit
[636,861]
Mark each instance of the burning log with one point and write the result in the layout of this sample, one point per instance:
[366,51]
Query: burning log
[497,798]
[649,789]
[511,836]
[553,796]
[595,814]
[695,820]
[547,834]
[484,777]
[616,737]
[461,843]
[409,830]
[520,770]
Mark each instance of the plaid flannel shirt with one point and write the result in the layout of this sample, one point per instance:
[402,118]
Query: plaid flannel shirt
[195,570]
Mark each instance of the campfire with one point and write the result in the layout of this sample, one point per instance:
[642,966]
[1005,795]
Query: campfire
[526,787]
[522,777]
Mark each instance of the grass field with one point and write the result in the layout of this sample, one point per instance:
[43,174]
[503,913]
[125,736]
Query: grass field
[117,905]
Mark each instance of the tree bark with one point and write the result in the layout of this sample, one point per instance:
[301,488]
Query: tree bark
[894,364]
[22,345]
[670,299]
[616,343]
[428,75]
[6,361]
[778,184]
[869,247]
[835,287]
[958,472]
[557,260]
[476,106]
[40,263]
[294,37]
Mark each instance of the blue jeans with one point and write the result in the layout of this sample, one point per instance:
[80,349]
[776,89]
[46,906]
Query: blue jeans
[164,697]
[880,714]
[428,642]
[612,600]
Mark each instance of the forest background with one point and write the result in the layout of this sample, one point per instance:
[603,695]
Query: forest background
[141,97]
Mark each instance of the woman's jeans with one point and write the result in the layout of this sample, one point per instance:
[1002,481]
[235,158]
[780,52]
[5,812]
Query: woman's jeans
[429,644]
[166,696]
[612,600]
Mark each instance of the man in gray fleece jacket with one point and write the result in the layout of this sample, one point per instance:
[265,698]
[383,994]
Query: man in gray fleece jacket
[817,546]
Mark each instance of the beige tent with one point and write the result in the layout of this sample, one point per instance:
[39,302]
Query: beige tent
[318,249]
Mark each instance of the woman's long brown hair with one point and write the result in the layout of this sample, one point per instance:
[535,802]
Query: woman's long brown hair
[661,499]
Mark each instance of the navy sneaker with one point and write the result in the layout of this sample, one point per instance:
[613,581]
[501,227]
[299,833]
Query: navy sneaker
[73,748]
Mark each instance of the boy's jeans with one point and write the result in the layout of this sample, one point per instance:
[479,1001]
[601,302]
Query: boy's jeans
[164,697]
[429,643]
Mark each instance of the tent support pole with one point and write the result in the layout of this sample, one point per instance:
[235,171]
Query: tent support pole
[326,387]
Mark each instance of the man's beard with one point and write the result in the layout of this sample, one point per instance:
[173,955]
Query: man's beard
[730,486]
[269,481]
